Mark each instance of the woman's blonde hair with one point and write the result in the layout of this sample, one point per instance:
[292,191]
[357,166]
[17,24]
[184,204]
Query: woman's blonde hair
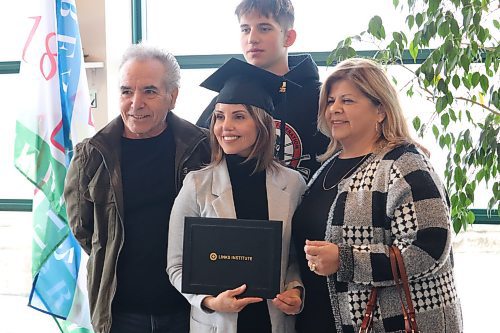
[373,82]
[263,148]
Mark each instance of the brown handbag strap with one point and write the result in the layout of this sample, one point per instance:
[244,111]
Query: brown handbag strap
[397,281]
[366,324]
[400,278]
[406,287]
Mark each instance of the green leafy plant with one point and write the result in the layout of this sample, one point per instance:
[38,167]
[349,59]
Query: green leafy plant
[456,46]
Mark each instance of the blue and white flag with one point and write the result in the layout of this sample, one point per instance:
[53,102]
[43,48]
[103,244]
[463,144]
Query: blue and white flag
[55,116]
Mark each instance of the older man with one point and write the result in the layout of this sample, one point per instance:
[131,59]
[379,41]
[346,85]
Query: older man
[119,191]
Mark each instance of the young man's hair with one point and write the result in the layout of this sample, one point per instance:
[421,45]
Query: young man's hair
[263,148]
[143,52]
[280,10]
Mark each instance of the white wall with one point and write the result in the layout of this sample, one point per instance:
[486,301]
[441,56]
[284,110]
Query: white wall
[105,29]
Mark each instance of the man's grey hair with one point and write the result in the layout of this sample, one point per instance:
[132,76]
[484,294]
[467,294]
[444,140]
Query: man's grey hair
[146,52]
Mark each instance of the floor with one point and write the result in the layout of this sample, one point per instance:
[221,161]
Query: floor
[477,258]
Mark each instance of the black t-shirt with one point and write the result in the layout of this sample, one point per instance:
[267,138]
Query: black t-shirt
[309,222]
[148,178]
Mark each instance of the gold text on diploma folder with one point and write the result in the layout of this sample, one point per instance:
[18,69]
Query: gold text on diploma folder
[214,256]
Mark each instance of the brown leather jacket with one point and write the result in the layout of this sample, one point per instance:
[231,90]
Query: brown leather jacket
[94,201]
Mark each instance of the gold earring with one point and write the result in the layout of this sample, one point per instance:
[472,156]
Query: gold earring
[377,128]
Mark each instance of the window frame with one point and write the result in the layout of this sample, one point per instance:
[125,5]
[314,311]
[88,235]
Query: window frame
[204,61]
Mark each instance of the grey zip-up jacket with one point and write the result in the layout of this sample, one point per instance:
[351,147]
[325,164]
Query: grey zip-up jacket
[94,202]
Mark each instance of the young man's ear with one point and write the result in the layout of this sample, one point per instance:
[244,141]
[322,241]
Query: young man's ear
[290,37]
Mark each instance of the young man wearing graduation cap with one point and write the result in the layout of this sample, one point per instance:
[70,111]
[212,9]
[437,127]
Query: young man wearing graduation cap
[266,33]
[243,181]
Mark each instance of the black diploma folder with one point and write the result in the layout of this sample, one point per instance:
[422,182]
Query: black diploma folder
[221,254]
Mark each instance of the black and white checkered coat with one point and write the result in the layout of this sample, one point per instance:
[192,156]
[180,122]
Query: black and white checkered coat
[393,198]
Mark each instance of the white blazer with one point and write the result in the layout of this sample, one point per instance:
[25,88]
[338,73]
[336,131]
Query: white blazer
[208,193]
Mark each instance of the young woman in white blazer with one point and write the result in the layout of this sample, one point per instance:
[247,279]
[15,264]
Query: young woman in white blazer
[242,181]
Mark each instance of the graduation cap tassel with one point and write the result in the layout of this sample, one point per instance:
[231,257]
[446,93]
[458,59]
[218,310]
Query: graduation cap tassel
[281,151]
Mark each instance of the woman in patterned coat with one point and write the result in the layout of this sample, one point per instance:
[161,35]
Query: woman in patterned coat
[375,189]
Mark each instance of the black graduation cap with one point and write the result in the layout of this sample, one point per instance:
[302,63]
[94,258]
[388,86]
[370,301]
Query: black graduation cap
[239,82]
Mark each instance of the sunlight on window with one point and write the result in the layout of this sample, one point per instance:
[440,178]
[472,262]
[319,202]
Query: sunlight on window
[14,185]
[211,27]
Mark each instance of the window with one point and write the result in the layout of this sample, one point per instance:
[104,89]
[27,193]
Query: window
[14,23]
[211,27]
[14,185]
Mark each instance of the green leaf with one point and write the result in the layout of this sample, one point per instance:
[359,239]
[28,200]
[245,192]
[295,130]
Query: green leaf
[416,123]
[475,79]
[480,175]
[393,49]
[467,139]
[435,130]
[458,177]
[427,70]
[496,24]
[395,3]
[405,40]
[453,116]
[467,16]
[433,6]
[456,81]
[488,61]
[351,52]
[466,80]
[444,29]
[454,200]
[465,62]
[476,20]
[484,83]
[457,225]
[441,141]
[413,51]
[492,203]
[409,92]
[436,56]
[441,104]
[419,19]
[454,27]
[470,217]
[410,20]
[482,34]
[469,191]
[398,38]
[376,28]
[474,47]
[442,86]
[469,118]
[428,33]
[463,198]
[445,120]
[459,146]
[452,57]
[449,98]
[447,140]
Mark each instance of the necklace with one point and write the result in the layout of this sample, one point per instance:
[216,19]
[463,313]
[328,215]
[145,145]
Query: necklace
[344,176]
